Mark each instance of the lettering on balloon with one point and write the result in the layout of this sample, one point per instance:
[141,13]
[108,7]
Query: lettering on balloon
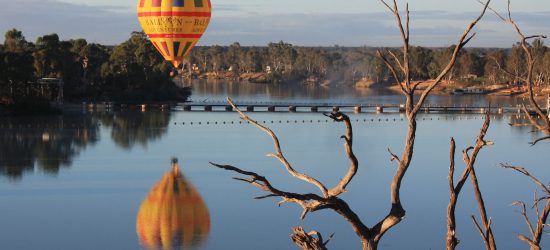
[175,24]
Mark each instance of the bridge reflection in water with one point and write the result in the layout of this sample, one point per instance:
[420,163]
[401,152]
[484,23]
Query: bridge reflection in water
[173,215]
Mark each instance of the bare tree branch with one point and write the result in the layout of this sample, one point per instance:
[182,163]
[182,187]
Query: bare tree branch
[483,235]
[469,160]
[452,241]
[394,157]
[464,39]
[369,237]
[470,163]
[307,241]
[279,155]
[397,212]
[311,202]
[533,143]
[394,73]
[348,145]
[525,216]
[394,56]
[526,173]
[531,61]
[536,233]
[499,66]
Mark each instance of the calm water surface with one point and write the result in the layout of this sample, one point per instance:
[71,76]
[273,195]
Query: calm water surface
[87,180]
[249,92]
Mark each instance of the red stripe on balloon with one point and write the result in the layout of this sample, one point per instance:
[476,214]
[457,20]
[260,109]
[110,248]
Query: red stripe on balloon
[175,13]
[158,48]
[141,3]
[209,4]
[157,3]
[165,47]
[174,36]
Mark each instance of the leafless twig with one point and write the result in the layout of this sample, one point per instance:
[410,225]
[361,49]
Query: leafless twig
[370,237]
[528,80]
[469,160]
[536,233]
[412,108]
[309,241]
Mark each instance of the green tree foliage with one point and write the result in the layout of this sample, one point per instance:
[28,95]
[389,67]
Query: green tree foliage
[131,72]
[420,61]
[312,62]
[16,65]
[135,72]
[48,61]
[282,57]
[494,61]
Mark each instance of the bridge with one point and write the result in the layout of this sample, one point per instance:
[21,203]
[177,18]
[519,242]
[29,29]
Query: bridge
[303,107]
[214,106]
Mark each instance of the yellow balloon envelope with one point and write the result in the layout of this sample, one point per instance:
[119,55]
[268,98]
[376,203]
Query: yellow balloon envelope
[174,26]
[173,215]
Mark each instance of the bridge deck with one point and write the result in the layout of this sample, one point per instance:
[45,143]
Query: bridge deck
[327,107]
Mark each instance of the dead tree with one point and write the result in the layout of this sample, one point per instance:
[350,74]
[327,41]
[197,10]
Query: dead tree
[538,231]
[469,171]
[539,119]
[312,202]
[307,240]
[329,198]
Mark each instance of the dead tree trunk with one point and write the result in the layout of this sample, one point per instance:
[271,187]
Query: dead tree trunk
[469,160]
[539,120]
[542,217]
[329,198]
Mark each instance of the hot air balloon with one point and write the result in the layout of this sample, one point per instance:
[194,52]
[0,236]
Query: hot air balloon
[173,215]
[174,26]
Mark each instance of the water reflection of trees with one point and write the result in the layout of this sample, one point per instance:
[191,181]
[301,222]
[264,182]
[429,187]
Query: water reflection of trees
[49,143]
[129,128]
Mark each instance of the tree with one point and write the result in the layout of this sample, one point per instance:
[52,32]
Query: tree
[135,73]
[47,63]
[311,61]
[216,55]
[516,63]
[14,41]
[16,65]
[282,57]
[235,57]
[329,197]
[491,69]
[253,60]
[539,51]
[420,59]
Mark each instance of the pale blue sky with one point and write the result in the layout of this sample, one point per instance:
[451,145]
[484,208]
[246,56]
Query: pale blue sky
[301,22]
[339,6]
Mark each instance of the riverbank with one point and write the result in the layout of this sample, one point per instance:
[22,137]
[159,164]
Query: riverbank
[453,87]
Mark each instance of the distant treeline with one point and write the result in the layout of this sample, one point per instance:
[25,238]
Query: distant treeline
[135,72]
[131,72]
[474,65]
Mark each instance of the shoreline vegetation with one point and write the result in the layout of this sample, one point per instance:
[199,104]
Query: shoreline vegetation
[134,73]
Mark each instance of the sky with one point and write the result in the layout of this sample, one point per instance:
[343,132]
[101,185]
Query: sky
[434,23]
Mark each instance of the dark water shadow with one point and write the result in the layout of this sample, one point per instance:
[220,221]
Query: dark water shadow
[50,143]
[44,143]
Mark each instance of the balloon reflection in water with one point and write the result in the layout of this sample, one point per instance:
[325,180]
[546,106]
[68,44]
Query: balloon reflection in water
[173,215]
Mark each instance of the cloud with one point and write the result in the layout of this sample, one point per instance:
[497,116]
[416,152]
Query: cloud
[428,28]
[108,24]
[35,18]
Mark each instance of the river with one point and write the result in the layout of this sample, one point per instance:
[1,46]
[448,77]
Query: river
[91,180]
